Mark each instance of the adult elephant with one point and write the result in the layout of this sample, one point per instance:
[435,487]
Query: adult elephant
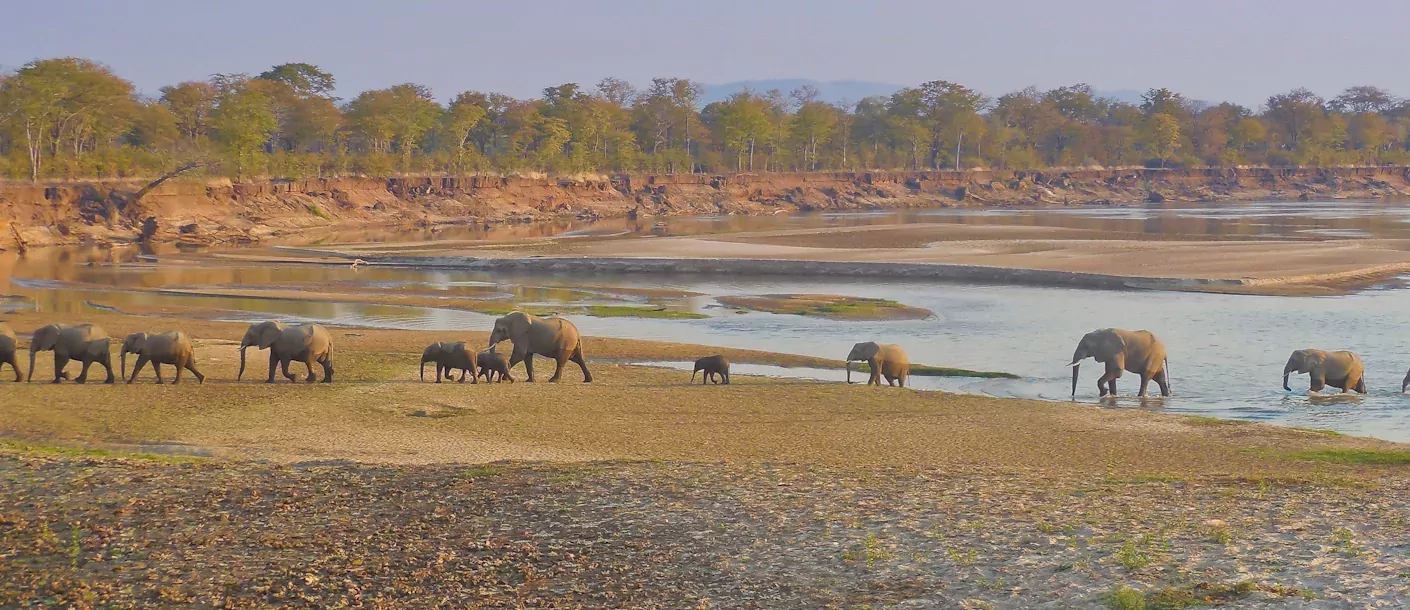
[1342,370]
[449,357]
[1137,351]
[86,343]
[306,343]
[889,361]
[554,338]
[172,348]
[10,350]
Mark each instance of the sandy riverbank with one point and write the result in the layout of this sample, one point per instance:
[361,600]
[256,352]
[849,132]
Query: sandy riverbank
[641,490]
[993,254]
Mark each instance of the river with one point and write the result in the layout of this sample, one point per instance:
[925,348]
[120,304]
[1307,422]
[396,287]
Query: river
[1226,351]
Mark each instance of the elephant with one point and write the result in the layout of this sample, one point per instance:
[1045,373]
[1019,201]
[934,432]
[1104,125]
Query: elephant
[449,357]
[1139,352]
[889,361]
[1337,369]
[712,365]
[86,343]
[172,348]
[10,350]
[555,338]
[491,363]
[306,343]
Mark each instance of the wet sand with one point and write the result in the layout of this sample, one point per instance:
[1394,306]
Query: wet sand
[973,253]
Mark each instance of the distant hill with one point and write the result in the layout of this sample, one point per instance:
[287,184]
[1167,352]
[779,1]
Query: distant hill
[832,91]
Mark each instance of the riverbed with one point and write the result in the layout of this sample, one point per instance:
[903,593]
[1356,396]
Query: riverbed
[1226,351]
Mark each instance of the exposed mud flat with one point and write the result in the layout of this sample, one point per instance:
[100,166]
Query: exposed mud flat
[207,212]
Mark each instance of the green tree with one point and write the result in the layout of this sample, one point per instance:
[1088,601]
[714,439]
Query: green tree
[459,124]
[242,120]
[1162,136]
[394,119]
[305,79]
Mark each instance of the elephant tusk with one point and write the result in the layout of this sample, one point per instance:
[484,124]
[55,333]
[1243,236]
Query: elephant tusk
[1075,363]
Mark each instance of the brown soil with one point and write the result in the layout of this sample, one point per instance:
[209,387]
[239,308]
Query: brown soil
[221,212]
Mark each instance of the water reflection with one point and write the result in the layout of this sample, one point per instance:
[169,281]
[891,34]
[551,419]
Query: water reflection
[1226,351]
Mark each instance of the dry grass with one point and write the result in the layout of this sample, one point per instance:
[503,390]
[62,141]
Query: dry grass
[830,306]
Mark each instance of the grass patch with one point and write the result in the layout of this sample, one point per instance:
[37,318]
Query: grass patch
[1374,457]
[317,211]
[1125,598]
[623,311]
[1322,431]
[830,306]
[105,454]
[870,550]
[475,472]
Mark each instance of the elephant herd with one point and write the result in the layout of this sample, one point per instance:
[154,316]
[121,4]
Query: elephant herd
[1139,352]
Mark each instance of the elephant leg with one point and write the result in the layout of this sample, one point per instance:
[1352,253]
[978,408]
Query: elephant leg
[1145,381]
[83,374]
[107,363]
[559,359]
[191,366]
[15,364]
[136,368]
[875,378]
[178,368]
[440,368]
[308,364]
[157,368]
[327,362]
[273,362]
[901,380]
[1164,383]
[284,368]
[582,363]
[59,363]
[528,367]
[1318,382]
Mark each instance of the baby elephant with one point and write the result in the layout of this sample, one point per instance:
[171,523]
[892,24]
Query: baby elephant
[712,365]
[9,350]
[491,363]
[172,348]
[449,357]
[1342,370]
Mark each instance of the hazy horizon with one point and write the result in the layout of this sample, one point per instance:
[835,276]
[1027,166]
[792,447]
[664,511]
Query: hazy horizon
[1216,51]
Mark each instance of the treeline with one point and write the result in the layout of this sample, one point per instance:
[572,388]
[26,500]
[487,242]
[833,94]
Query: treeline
[74,118]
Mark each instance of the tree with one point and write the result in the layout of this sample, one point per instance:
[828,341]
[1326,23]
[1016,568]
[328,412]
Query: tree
[948,111]
[191,103]
[1295,113]
[242,120]
[64,106]
[1363,99]
[1162,137]
[305,79]
[394,119]
[459,123]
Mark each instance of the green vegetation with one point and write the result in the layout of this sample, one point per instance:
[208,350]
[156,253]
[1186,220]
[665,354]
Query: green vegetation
[75,118]
[622,311]
[1202,420]
[1125,598]
[1354,456]
[828,306]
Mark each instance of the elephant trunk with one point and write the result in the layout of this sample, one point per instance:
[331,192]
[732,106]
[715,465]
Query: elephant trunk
[1406,383]
[1287,370]
[692,374]
[122,360]
[32,353]
[1075,367]
[242,362]
[423,369]
[849,371]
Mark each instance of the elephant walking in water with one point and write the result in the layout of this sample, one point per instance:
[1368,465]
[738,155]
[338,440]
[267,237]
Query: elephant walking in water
[172,348]
[889,361]
[1137,351]
[1342,370]
[306,343]
[555,338]
[86,343]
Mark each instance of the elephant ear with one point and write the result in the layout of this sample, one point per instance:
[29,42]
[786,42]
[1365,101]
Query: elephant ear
[1312,360]
[268,333]
[1111,346]
[45,338]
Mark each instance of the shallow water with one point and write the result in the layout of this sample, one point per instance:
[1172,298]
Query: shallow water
[1226,351]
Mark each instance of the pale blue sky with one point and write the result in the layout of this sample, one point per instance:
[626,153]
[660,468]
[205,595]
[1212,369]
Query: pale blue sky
[1207,49]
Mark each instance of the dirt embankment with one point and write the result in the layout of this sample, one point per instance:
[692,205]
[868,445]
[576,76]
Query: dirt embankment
[223,212]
